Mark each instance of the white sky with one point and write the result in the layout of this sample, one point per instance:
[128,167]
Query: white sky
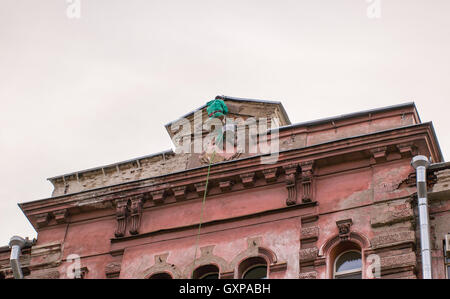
[80,93]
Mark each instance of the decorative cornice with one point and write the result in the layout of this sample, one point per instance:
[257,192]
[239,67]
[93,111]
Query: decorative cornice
[158,196]
[61,215]
[248,179]
[244,168]
[407,149]
[379,153]
[270,174]
[200,188]
[42,219]
[179,192]
[226,185]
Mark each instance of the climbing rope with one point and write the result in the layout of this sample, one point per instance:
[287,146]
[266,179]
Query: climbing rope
[215,109]
[203,206]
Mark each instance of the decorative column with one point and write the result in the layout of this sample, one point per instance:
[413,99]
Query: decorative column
[291,183]
[121,216]
[307,181]
[135,213]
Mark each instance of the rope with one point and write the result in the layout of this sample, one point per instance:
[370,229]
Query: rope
[203,207]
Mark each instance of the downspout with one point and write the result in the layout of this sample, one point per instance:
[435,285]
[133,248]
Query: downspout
[420,163]
[16,244]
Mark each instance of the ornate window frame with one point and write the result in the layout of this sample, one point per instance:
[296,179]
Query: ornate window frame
[336,245]
[162,266]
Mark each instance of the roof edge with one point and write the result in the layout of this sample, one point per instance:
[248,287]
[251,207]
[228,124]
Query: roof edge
[223,97]
[351,115]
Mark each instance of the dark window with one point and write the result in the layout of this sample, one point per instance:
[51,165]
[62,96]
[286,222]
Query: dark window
[206,272]
[162,275]
[256,272]
[253,268]
[210,276]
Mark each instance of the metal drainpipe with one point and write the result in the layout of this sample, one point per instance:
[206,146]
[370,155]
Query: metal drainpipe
[420,163]
[16,244]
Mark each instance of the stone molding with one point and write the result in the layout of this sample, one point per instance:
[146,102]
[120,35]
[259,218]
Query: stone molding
[393,239]
[112,270]
[391,212]
[162,266]
[105,196]
[311,232]
[308,275]
[207,258]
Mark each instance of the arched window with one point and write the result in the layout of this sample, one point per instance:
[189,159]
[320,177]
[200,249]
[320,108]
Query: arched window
[253,268]
[161,275]
[348,265]
[206,272]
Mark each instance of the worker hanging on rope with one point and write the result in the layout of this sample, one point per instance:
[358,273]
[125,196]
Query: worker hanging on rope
[222,141]
[216,109]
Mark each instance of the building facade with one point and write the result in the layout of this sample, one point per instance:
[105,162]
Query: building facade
[338,201]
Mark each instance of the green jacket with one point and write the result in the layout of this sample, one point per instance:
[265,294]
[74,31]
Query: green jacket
[216,108]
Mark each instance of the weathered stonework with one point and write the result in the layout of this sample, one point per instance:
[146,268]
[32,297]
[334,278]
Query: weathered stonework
[344,227]
[308,275]
[112,270]
[391,213]
[397,261]
[309,233]
[393,238]
[338,184]
[308,254]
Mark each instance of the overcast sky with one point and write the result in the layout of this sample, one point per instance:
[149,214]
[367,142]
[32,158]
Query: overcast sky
[83,92]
